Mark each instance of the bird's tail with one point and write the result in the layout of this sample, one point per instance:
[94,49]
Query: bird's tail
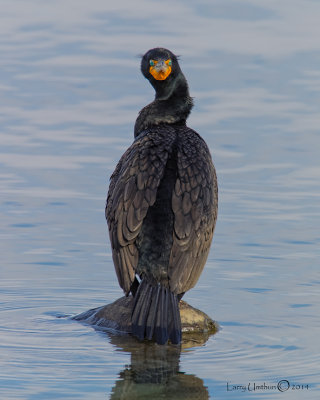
[156,314]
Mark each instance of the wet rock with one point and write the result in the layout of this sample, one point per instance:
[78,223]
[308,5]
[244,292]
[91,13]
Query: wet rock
[196,325]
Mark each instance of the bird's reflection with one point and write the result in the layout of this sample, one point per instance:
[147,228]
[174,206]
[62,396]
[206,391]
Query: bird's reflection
[154,373]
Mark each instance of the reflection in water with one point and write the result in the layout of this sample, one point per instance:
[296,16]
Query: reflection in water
[154,373]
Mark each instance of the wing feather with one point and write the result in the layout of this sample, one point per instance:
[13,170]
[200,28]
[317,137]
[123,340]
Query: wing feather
[195,205]
[133,189]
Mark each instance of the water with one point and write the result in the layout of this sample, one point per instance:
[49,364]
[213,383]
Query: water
[70,90]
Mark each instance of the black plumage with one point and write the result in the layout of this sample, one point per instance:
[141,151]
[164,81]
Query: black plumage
[162,204]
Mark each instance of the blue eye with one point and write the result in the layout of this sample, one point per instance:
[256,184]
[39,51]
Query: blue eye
[151,62]
[170,63]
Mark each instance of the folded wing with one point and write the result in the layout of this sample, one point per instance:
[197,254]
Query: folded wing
[195,207]
[132,190]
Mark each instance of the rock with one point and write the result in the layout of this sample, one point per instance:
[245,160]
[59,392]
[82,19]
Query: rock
[196,325]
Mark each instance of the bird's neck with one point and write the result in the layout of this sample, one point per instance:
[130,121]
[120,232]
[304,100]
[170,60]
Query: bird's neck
[171,105]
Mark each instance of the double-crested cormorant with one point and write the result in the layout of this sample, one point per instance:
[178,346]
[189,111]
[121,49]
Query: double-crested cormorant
[162,204]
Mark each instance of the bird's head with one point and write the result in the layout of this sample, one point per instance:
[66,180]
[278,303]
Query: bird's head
[160,66]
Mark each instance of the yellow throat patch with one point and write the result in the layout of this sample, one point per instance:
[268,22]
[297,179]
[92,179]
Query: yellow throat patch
[162,73]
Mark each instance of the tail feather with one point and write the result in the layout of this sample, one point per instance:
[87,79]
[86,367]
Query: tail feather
[156,314]
[176,321]
[140,315]
[152,316]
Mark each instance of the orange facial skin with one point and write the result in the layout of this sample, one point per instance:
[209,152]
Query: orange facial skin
[160,70]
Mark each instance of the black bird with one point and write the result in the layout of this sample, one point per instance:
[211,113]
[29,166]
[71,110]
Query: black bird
[162,204]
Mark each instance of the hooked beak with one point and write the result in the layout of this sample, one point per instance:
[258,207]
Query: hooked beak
[161,70]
